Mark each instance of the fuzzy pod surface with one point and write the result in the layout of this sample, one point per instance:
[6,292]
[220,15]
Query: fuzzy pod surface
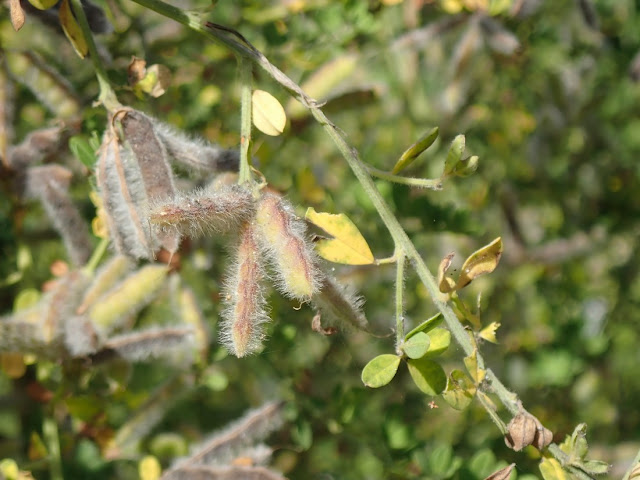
[282,236]
[245,312]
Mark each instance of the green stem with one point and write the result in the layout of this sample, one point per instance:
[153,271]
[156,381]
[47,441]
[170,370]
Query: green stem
[635,463]
[50,435]
[399,300]
[93,262]
[246,82]
[430,183]
[107,96]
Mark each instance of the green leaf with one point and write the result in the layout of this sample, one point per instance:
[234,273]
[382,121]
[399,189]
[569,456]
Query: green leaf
[428,376]
[460,390]
[594,467]
[81,149]
[454,155]
[480,262]
[440,339]
[347,246]
[466,167]
[483,463]
[415,150]
[552,470]
[72,30]
[417,345]
[380,370]
[425,326]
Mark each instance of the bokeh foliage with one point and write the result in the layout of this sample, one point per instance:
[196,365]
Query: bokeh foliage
[546,95]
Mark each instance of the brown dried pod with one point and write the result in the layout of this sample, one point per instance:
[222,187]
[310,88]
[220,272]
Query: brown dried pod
[521,431]
[502,474]
[543,437]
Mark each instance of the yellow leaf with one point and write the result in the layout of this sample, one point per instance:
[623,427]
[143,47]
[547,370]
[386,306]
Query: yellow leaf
[477,373]
[149,468]
[43,4]
[268,114]
[552,470]
[489,332]
[480,262]
[72,30]
[347,246]
[12,364]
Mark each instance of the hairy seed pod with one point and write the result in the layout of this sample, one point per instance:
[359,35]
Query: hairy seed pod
[190,314]
[123,195]
[80,337]
[245,312]
[203,211]
[338,305]
[127,298]
[282,237]
[206,472]
[153,162]
[144,344]
[196,153]
[61,302]
[36,146]
[521,431]
[50,184]
[105,278]
[7,110]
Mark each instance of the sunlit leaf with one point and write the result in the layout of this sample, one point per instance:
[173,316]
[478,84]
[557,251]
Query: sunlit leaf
[415,150]
[489,332]
[466,167]
[460,390]
[72,30]
[454,155]
[417,345]
[427,375]
[268,115]
[477,373]
[426,326]
[480,262]
[380,370]
[440,339]
[552,470]
[347,246]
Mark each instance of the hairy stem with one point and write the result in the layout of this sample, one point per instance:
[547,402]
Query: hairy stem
[107,96]
[399,300]
[246,79]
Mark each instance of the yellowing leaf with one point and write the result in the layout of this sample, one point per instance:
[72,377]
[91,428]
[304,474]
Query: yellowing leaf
[347,246]
[72,30]
[43,4]
[489,332]
[268,114]
[477,373]
[454,155]
[460,390]
[552,470]
[149,468]
[480,262]
[415,150]
[445,284]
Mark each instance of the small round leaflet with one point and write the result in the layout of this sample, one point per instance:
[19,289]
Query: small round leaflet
[380,370]
[267,113]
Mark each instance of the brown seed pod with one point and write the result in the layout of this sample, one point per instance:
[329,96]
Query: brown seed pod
[245,313]
[521,431]
[502,474]
[543,437]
